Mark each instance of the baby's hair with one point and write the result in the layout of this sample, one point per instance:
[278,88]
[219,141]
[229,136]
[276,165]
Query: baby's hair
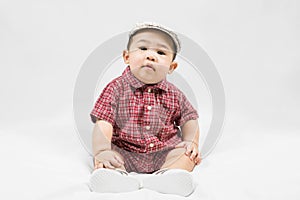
[131,36]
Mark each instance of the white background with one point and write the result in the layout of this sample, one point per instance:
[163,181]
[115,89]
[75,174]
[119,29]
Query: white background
[254,45]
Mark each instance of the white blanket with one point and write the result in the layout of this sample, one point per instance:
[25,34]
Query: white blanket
[45,160]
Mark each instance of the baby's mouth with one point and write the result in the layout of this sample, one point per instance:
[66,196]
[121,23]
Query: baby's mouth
[149,66]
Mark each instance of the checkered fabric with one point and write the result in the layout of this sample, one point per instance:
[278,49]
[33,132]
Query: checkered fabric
[145,118]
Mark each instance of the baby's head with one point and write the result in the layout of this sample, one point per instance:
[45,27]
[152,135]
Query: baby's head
[151,51]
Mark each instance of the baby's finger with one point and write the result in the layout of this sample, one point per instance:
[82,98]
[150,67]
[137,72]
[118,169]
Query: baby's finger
[115,162]
[194,154]
[189,150]
[119,160]
[108,165]
[99,165]
[197,161]
[96,162]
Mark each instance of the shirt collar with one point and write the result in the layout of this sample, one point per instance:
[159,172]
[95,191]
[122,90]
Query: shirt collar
[135,83]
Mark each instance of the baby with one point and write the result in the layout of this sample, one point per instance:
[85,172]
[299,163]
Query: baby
[143,123]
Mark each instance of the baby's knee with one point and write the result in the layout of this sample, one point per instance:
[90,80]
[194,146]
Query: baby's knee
[178,159]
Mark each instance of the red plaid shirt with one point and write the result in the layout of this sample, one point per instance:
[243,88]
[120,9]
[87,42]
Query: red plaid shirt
[145,118]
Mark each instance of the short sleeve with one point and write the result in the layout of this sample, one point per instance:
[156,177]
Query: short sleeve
[187,111]
[106,105]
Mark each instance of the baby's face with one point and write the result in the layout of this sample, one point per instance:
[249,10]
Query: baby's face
[150,56]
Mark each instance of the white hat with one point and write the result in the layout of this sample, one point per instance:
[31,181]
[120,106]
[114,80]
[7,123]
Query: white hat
[152,25]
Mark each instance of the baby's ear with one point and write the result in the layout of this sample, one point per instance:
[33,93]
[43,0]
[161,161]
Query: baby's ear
[173,66]
[126,56]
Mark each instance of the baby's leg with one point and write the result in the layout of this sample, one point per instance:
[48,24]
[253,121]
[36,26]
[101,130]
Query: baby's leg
[176,159]
[178,180]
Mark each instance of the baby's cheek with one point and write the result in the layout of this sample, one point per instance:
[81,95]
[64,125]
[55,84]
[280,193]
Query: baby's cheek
[136,58]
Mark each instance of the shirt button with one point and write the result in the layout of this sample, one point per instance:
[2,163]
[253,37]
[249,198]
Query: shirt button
[149,107]
[149,90]
[151,145]
[147,128]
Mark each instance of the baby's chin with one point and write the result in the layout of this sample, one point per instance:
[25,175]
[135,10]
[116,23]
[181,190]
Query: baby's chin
[148,81]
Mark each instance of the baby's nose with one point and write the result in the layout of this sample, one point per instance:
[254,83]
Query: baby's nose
[150,57]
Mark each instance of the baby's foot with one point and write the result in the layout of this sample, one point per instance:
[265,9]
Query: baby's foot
[112,181]
[172,181]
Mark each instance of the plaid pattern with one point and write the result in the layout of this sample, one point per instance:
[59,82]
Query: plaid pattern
[145,118]
[142,162]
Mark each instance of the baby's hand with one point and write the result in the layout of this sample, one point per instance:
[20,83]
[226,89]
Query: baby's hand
[191,151]
[108,159]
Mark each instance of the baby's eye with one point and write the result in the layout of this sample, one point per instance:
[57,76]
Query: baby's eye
[143,48]
[161,53]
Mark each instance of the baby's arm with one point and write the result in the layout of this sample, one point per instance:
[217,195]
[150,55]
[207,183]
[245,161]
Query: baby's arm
[104,157]
[190,136]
